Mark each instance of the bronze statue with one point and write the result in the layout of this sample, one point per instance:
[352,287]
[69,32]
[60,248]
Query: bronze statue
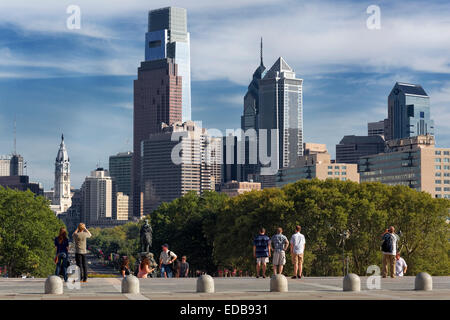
[146,237]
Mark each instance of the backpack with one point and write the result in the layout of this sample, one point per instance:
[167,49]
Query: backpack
[387,245]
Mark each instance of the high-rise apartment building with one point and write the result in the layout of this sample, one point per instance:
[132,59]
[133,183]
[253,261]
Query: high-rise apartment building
[281,108]
[120,170]
[174,162]
[351,148]
[168,37]
[408,112]
[317,163]
[97,197]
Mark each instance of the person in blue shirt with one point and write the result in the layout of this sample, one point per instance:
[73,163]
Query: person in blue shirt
[261,251]
[62,253]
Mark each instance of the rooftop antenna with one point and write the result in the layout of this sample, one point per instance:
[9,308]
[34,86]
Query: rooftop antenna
[261,51]
[15,139]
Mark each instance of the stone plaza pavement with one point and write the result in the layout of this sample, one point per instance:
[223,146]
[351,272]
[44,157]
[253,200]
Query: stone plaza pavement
[315,288]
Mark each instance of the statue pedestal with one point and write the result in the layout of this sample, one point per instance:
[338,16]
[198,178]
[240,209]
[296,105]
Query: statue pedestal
[150,256]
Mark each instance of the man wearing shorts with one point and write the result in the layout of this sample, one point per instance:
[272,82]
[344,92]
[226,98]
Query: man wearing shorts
[261,251]
[279,244]
[297,249]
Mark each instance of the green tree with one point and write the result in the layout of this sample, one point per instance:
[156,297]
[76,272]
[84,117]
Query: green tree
[27,231]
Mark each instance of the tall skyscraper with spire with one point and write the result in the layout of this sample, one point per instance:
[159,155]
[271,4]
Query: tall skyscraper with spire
[62,194]
[249,119]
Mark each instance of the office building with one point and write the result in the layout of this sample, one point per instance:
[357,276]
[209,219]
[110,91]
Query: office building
[11,165]
[414,162]
[122,206]
[235,188]
[97,197]
[168,37]
[317,163]
[231,170]
[351,148]
[281,108]
[377,128]
[157,100]
[249,121]
[213,154]
[21,183]
[173,167]
[120,170]
[408,112]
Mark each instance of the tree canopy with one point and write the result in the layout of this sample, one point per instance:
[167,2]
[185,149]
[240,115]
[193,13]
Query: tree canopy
[27,231]
[215,231]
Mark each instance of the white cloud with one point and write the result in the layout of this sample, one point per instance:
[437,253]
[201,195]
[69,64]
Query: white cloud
[314,37]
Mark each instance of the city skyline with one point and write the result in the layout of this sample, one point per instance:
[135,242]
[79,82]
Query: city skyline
[341,92]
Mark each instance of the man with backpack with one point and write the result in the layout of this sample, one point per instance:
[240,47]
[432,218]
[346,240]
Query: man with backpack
[166,260]
[389,249]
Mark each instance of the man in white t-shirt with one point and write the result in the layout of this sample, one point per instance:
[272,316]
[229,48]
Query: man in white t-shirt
[297,249]
[400,265]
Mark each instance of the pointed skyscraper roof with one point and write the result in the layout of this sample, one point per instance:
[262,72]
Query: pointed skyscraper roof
[279,66]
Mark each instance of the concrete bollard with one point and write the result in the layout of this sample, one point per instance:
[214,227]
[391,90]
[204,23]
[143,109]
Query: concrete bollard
[352,282]
[278,283]
[423,281]
[130,284]
[205,283]
[54,285]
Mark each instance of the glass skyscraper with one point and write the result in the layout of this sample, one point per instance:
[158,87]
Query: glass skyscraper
[249,120]
[281,108]
[167,37]
[409,112]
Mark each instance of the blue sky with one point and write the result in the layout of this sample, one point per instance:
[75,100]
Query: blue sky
[79,82]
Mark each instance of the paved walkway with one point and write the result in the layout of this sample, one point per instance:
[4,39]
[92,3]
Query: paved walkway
[226,288]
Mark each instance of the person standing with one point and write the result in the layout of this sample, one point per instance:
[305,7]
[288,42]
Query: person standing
[184,267]
[297,250]
[279,244]
[62,253]
[261,251]
[400,265]
[389,249]
[79,236]
[166,260]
